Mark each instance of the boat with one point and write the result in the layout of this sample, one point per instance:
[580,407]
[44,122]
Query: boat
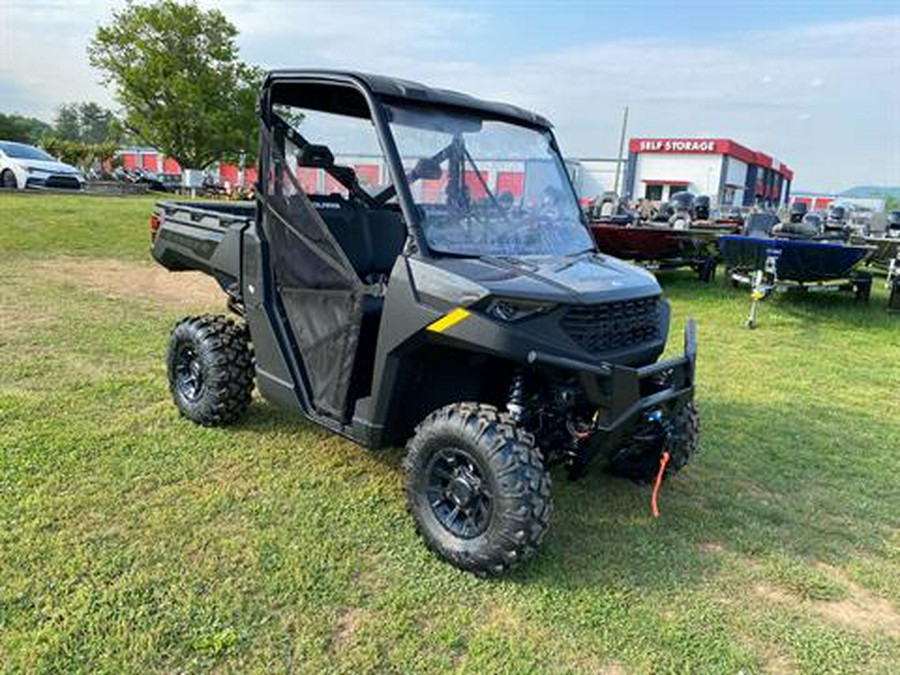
[885,255]
[675,239]
[791,256]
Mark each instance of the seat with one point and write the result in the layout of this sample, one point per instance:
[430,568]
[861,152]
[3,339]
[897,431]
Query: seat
[371,239]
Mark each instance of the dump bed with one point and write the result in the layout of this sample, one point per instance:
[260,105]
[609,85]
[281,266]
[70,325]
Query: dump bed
[202,236]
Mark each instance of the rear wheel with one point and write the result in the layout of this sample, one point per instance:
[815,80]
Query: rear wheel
[8,180]
[639,460]
[477,488]
[210,368]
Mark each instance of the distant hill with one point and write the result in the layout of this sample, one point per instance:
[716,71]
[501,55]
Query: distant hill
[873,191]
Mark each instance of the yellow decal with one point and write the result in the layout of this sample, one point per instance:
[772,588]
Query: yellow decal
[449,319]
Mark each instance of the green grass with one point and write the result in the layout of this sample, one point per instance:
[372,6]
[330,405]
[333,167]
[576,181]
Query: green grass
[134,541]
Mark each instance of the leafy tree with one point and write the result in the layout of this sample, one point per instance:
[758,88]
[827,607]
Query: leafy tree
[87,123]
[22,129]
[892,203]
[66,126]
[176,72]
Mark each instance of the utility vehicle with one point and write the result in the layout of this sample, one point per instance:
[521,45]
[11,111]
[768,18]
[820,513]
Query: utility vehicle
[416,268]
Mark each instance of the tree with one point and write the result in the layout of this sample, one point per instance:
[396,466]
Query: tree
[66,125]
[87,123]
[176,72]
[22,129]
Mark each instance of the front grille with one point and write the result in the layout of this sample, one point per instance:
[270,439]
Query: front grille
[63,182]
[613,325]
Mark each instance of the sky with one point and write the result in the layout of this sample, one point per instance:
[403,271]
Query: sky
[815,84]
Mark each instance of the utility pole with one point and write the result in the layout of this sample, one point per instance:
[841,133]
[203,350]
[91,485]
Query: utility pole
[619,159]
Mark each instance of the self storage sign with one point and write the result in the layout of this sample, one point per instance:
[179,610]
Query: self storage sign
[676,145]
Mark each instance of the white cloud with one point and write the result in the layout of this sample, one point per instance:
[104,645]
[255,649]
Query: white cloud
[764,88]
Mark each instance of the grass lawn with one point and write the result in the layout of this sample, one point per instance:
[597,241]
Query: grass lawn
[134,541]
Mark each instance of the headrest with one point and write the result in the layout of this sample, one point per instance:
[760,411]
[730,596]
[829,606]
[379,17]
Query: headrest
[318,156]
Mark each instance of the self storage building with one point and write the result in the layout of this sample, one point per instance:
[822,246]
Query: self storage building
[730,173]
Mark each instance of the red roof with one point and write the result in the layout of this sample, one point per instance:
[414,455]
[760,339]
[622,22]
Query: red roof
[663,181]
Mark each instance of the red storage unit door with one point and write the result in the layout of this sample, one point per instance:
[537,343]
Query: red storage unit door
[170,166]
[149,162]
[512,182]
[433,191]
[476,189]
[308,179]
[822,203]
[129,160]
[228,173]
[367,174]
[250,175]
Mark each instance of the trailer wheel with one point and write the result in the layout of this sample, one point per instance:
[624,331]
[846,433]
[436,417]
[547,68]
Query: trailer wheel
[706,270]
[894,298]
[862,287]
[639,462]
[477,488]
[210,368]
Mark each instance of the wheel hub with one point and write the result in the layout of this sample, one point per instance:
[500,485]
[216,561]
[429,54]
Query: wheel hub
[463,488]
[188,373]
[459,497]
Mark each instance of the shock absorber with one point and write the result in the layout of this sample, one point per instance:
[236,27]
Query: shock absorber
[515,407]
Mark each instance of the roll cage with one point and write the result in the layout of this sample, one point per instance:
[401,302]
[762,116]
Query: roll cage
[366,96]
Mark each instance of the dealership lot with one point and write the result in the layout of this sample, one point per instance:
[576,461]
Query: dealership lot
[132,539]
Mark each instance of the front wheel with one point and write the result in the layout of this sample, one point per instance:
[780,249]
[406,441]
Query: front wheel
[477,488]
[8,180]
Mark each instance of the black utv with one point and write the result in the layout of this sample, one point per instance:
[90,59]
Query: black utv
[416,269]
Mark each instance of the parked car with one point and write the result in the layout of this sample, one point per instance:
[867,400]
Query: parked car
[24,166]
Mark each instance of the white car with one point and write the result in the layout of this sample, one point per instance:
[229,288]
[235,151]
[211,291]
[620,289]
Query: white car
[24,166]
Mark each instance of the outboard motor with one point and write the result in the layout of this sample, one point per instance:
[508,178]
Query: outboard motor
[837,215]
[682,204]
[835,224]
[664,212]
[893,225]
[701,208]
[799,211]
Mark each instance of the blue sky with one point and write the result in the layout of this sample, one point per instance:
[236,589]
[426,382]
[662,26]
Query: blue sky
[816,84]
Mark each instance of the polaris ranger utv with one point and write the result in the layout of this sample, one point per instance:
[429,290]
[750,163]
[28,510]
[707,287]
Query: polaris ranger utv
[416,269]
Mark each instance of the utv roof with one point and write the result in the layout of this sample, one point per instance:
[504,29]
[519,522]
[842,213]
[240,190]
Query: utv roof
[407,90]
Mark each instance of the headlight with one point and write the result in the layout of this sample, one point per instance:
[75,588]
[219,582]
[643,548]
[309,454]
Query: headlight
[506,310]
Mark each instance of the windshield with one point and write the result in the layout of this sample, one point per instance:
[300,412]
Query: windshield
[19,151]
[487,187]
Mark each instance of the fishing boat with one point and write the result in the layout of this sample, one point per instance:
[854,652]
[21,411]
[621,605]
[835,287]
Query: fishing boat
[885,255]
[680,239]
[783,257]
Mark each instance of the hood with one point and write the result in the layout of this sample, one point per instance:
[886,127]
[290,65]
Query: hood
[583,279]
[49,166]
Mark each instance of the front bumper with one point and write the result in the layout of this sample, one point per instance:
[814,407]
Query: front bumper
[625,396]
[54,182]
